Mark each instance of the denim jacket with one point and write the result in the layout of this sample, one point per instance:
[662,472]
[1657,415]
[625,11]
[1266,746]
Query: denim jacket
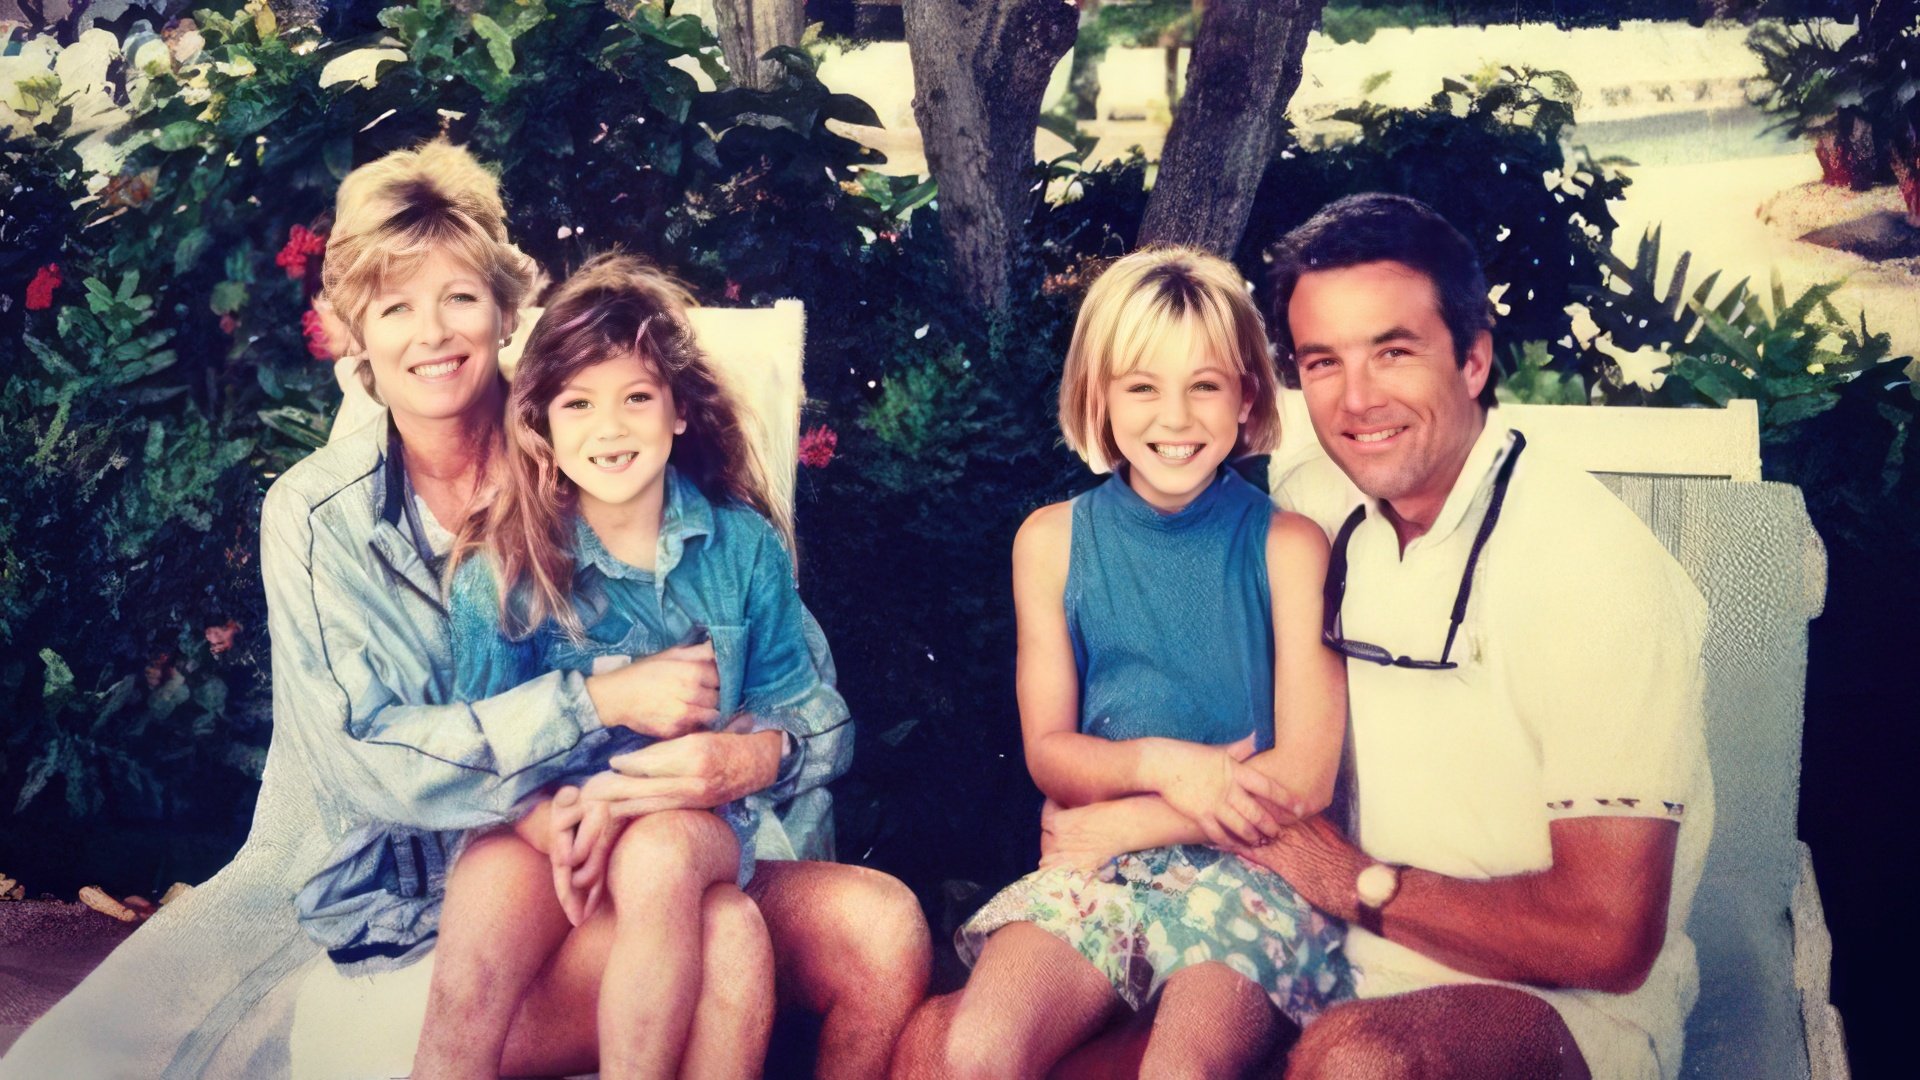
[721,569]
[366,730]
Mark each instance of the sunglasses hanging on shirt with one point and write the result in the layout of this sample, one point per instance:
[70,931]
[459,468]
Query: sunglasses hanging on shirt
[1336,587]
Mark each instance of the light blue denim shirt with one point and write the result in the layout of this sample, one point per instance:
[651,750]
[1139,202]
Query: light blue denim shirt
[719,572]
[366,731]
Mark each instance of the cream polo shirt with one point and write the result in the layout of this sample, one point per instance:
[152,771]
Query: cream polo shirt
[1578,694]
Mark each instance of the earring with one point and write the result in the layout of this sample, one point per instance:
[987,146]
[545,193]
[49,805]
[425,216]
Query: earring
[506,341]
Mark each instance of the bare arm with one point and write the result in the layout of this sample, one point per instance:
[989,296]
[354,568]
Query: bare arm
[1594,920]
[1309,720]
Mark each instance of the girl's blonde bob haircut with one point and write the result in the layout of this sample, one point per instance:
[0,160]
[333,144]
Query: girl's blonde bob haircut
[390,214]
[1141,303]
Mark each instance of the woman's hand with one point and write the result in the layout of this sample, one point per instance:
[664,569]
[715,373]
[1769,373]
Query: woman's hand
[1082,838]
[694,772]
[1231,801]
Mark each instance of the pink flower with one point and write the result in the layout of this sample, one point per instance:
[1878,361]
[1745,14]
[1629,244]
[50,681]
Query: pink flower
[40,289]
[733,289]
[817,447]
[220,638]
[228,324]
[316,333]
[302,243]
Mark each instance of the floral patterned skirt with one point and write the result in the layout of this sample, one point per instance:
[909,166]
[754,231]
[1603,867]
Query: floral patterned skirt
[1144,916]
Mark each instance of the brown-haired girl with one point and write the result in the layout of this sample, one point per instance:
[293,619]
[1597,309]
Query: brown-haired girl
[633,520]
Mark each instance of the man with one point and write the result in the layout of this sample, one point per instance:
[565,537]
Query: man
[1533,803]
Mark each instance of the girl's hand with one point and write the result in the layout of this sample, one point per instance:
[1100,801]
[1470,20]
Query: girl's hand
[666,695]
[579,839]
[1231,801]
[1078,838]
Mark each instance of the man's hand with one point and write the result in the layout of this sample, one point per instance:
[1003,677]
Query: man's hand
[1231,801]
[1079,838]
[671,693]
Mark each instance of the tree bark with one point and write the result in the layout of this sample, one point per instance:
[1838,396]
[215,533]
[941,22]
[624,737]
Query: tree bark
[1245,68]
[980,68]
[748,28]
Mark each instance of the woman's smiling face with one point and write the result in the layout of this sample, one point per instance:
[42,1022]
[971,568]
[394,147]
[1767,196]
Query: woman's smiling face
[433,339]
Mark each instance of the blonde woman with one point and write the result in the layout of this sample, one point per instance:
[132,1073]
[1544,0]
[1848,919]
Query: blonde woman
[376,770]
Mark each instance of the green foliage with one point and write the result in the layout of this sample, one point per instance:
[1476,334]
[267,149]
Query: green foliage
[1486,152]
[1806,77]
[1836,407]
[1529,377]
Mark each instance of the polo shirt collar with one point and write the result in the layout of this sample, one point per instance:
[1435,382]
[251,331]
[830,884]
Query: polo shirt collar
[1489,450]
[687,514]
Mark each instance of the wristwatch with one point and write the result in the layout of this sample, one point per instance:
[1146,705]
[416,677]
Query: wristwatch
[1375,887]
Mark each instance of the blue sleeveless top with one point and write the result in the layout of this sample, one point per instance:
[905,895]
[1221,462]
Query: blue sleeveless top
[1171,615]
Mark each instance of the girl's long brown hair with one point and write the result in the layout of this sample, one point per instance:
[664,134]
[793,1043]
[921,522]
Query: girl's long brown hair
[615,305]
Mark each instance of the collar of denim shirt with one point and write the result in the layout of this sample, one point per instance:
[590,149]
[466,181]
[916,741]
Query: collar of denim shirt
[686,515]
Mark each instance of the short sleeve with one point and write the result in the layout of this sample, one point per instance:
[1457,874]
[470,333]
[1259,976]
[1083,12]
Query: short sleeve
[1607,674]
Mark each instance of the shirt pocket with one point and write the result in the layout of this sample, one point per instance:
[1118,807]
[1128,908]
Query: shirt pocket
[730,649]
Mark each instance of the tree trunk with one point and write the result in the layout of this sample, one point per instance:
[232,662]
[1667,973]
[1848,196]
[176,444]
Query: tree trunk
[980,68]
[748,28]
[1244,70]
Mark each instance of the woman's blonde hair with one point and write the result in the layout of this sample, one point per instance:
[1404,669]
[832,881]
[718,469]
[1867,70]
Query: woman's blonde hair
[390,214]
[1131,310]
[616,305]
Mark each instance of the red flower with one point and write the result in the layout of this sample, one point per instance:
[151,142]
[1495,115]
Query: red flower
[228,324]
[733,289]
[302,243]
[817,447]
[40,289]
[220,638]
[316,332]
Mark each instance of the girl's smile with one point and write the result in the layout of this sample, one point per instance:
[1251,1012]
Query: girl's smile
[612,427]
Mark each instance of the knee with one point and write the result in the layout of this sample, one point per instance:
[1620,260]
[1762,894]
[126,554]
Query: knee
[1347,1041]
[887,942]
[978,1048]
[734,928]
[666,851]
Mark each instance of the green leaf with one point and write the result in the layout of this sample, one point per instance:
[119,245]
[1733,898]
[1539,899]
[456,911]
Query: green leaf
[59,685]
[38,773]
[228,297]
[179,135]
[188,251]
[499,42]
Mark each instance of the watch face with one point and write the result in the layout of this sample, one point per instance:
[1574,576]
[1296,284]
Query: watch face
[1376,885]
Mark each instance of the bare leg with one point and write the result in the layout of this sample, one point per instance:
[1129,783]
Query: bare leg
[498,927]
[1212,1021]
[1114,1053]
[850,945]
[995,1030]
[657,878]
[557,1032]
[1448,1031]
[734,1017]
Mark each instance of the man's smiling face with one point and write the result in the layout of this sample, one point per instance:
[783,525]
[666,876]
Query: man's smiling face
[1389,398]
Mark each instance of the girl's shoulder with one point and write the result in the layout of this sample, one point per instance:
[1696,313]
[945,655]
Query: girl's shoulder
[475,584]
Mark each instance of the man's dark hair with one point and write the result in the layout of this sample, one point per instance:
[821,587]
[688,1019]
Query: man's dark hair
[1375,227]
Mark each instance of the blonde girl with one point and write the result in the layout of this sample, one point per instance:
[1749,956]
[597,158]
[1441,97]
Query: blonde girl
[1173,695]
